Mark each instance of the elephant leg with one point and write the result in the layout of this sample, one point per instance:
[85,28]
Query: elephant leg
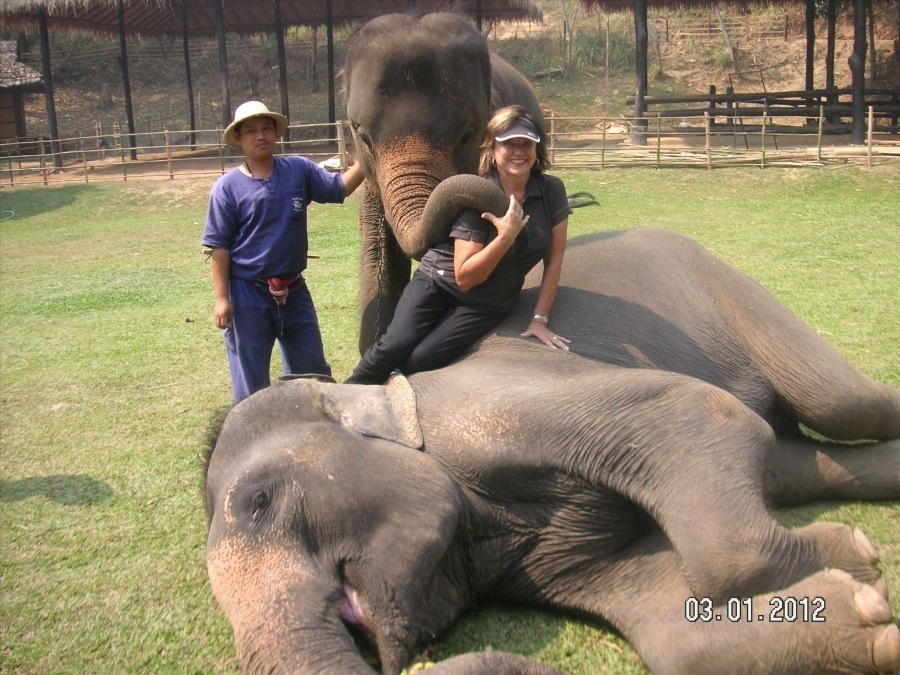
[800,470]
[698,470]
[827,622]
[813,380]
[384,269]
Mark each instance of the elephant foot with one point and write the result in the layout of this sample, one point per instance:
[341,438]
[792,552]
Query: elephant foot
[856,632]
[846,548]
[826,623]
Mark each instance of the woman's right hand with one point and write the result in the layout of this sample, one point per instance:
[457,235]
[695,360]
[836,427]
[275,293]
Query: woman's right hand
[512,222]
[223,313]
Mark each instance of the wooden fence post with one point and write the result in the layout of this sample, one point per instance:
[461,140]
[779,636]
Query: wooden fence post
[658,139]
[219,142]
[762,159]
[552,137]
[43,160]
[342,144]
[869,143]
[603,146]
[708,142]
[168,153]
[84,160]
[124,166]
[819,143]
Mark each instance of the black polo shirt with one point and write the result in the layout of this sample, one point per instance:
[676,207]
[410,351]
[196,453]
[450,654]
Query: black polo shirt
[547,204]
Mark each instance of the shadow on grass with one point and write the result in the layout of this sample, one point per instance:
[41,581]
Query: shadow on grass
[77,490]
[27,203]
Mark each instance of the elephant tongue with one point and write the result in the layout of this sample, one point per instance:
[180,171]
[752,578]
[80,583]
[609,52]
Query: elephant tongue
[351,611]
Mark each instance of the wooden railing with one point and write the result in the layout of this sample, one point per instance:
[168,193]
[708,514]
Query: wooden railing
[757,139]
[693,141]
[835,103]
[163,154]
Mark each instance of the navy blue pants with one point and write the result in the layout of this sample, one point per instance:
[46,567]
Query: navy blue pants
[258,322]
[430,328]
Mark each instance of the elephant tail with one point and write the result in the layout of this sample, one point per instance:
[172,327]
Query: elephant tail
[579,199]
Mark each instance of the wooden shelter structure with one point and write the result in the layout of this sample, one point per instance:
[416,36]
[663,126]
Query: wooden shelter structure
[856,62]
[16,79]
[188,18]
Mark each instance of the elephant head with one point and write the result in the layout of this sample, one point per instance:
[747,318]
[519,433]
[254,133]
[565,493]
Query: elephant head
[302,576]
[420,92]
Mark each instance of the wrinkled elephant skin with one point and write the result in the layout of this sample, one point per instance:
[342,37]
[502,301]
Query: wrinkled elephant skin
[617,481]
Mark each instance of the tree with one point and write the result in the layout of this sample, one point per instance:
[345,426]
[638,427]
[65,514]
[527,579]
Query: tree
[570,15]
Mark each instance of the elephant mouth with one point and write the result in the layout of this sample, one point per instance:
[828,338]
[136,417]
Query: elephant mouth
[352,614]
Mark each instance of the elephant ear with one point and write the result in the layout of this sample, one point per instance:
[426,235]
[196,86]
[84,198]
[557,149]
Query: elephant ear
[387,412]
[449,198]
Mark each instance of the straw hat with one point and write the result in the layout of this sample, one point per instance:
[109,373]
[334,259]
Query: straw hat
[253,109]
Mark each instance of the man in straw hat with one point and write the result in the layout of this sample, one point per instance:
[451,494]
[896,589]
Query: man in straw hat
[256,229]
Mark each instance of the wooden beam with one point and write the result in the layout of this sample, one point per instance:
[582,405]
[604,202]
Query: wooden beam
[49,102]
[126,80]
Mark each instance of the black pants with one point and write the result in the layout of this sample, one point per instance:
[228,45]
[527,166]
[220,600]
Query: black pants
[430,328]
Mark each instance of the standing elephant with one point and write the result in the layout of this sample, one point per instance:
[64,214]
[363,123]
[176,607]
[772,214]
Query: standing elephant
[420,92]
[629,480]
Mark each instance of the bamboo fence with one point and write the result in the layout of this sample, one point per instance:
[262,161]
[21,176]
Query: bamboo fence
[574,142]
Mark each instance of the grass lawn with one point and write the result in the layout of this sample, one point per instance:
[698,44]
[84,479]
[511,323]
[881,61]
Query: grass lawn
[111,369]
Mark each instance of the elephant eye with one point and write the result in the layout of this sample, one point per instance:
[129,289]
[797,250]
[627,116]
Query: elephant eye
[468,135]
[363,137]
[259,503]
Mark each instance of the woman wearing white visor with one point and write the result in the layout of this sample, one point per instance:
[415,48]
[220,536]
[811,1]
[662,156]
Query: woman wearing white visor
[466,286]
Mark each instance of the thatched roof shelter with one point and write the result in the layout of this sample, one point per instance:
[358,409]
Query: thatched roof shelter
[164,17]
[217,17]
[16,79]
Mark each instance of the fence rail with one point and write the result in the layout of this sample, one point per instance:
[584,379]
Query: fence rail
[694,141]
[164,154]
[574,142]
[710,27]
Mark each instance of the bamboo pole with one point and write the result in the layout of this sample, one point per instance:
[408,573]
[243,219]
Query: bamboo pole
[762,160]
[708,142]
[869,140]
[84,160]
[552,137]
[342,145]
[122,156]
[603,146]
[168,153]
[819,141]
[658,138]
[43,160]
[219,144]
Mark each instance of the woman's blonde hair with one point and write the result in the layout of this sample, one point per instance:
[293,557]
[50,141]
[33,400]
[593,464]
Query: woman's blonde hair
[500,122]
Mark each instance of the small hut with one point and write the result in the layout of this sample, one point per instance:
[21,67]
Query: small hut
[16,80]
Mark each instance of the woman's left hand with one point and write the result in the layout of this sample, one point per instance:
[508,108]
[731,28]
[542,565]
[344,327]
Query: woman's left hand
[542,332]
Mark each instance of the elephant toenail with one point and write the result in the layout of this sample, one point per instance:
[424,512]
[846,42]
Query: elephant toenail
[886,650]
[871,606]
[865,547]
[882,588]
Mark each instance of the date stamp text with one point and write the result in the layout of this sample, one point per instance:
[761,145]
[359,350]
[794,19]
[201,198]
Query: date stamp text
[778,610]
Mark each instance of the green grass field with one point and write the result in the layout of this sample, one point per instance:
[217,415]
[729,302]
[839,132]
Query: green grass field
[111,370]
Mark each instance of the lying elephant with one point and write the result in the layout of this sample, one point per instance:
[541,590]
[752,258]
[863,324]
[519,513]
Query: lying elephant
[628,480]
[419,95]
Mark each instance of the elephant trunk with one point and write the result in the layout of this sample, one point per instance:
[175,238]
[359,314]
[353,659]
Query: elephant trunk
[285,619]
[409,171]
[423,193]
[454,194]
